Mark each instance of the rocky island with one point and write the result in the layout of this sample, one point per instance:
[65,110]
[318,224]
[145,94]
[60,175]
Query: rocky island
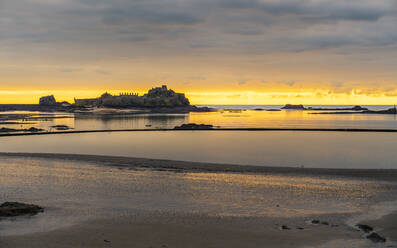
[158,99]
[390,111]
[301,107]
[353,110]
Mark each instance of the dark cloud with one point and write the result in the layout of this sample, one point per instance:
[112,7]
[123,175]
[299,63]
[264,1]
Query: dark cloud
[318,10]
[135,15]
[221,26]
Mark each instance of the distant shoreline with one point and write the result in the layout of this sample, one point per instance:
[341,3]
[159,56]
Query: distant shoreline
[106,110]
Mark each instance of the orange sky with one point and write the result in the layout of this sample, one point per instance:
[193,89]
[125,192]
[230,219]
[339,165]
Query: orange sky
[217,52]
[217,97]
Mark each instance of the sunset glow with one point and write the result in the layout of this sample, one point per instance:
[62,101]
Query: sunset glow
[253,52]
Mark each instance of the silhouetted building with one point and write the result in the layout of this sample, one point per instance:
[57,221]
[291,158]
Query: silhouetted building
[156,97]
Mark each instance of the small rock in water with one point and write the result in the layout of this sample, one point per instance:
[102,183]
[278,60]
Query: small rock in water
[365,228]
[284,227]
[33,129]
[376,238]
[12,209]
[325,223]
[194,126]
[61,127]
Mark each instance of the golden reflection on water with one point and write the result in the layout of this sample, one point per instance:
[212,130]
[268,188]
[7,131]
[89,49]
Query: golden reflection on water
[291,119]
[225,119]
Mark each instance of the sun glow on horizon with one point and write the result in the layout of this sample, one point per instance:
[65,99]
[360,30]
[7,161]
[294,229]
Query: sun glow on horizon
[246,97]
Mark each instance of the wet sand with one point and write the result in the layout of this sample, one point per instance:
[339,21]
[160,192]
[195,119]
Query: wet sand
[199,229]
[174,230]
[181,166]
[386,226]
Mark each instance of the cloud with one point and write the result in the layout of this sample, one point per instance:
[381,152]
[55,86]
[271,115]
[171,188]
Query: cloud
[197,77]
[290,83]
[102,71]
[319,9]
[196,28]
[67,70]
[242,81]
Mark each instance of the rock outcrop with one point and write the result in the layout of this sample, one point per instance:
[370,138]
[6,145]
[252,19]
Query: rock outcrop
[12,209]
[364,228]
[47,101]
[155,98]
[295,107]
[376,238]
[301,107]
[11,130]
[61,127]
[193,126]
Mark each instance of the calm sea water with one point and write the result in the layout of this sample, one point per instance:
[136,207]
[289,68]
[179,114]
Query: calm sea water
[234,116]
[262,148]
[296,149]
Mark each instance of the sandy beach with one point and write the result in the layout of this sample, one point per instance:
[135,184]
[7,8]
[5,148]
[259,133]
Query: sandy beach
[186,204]
[174,230]
[181,166]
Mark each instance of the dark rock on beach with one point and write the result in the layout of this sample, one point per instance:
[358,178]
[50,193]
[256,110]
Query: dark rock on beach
[316,222]
[376,238]
[364,228]
[284,227]
[12,209]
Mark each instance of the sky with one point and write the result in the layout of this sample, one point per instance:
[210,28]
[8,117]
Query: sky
[215,51]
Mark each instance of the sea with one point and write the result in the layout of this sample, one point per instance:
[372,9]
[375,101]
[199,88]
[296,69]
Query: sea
[314,149]
[76,191]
